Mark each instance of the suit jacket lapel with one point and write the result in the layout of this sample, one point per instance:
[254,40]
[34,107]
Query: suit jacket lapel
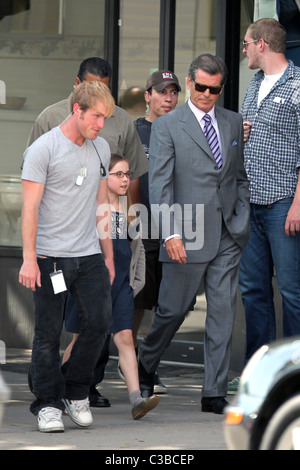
[192,127]
[224,129]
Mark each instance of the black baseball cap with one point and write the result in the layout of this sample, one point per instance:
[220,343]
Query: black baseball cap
[160,79]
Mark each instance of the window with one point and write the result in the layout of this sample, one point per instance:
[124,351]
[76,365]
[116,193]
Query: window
[31,16]
[139,43]
[42,43]
[195,35]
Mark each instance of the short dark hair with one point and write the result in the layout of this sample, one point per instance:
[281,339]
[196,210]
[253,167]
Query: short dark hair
[210,64]
[95,66]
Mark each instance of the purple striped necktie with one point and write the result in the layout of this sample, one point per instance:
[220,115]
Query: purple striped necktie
[212,139]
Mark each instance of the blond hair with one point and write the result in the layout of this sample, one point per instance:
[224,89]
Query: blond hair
[86,93]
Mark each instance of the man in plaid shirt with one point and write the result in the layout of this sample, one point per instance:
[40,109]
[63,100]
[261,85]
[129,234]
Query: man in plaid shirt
[271,113]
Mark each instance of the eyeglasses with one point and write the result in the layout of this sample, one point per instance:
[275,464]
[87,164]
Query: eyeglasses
[214,90]
[121,174]
[245,43]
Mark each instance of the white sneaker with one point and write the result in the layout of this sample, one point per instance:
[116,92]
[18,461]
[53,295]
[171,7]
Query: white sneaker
[49,420]
[79,412]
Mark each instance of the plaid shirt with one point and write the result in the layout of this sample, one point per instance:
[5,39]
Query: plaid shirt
[272,152]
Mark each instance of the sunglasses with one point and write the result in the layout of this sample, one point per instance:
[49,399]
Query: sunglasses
[214,90]
[245,43]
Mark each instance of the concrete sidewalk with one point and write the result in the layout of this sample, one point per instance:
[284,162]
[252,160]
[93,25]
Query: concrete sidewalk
[177,424]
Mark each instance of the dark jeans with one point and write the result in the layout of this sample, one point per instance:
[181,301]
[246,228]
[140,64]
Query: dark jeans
[101,363]
[87,279]
[270,248]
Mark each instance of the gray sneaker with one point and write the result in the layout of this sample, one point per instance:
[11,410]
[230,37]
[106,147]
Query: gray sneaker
[144,407]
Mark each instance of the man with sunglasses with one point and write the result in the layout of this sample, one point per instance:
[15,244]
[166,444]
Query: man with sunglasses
[272,160]
[161,96]
[196,164]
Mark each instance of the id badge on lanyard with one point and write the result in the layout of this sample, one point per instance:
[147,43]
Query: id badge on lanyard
[58,281]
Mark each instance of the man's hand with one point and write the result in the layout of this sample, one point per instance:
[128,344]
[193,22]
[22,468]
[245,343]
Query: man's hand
[176,251]
[292,223]
[247,128]
[30,275]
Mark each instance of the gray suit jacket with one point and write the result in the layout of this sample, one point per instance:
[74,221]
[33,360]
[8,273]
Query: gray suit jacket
[183,172]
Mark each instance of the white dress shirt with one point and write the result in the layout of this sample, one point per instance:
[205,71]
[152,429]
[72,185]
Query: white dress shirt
[199,116]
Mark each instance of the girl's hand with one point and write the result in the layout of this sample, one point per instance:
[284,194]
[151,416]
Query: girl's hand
[111,268]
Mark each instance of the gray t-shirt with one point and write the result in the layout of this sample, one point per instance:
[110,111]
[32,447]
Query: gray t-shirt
[119,131]
[67,213]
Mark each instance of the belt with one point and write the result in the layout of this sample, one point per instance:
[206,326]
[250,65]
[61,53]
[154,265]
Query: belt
[267,206]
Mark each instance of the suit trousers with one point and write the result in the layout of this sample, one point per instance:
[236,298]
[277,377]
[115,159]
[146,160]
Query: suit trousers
[179,286]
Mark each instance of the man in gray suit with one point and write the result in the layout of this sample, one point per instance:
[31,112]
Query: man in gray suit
[198,188]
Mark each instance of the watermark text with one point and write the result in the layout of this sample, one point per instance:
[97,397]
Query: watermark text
[185,220]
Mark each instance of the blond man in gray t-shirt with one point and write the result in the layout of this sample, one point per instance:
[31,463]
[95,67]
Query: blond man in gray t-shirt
[63,186]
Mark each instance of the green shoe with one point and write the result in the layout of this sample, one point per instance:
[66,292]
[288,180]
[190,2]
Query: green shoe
[233,385]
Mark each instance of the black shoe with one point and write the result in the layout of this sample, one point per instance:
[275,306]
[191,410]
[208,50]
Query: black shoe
[214,404]
[146,381]
[97,400]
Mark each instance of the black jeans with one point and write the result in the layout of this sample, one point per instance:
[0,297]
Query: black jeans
[87,279]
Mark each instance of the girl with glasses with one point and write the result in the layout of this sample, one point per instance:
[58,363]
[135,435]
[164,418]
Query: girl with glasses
[129,259]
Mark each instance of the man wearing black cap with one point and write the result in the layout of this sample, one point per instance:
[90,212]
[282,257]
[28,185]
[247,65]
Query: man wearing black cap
[161,96]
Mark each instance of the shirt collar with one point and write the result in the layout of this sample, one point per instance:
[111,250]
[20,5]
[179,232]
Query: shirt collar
[287,74]
[199,113]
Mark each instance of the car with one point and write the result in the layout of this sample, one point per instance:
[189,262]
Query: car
[4,396]
[265,412]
